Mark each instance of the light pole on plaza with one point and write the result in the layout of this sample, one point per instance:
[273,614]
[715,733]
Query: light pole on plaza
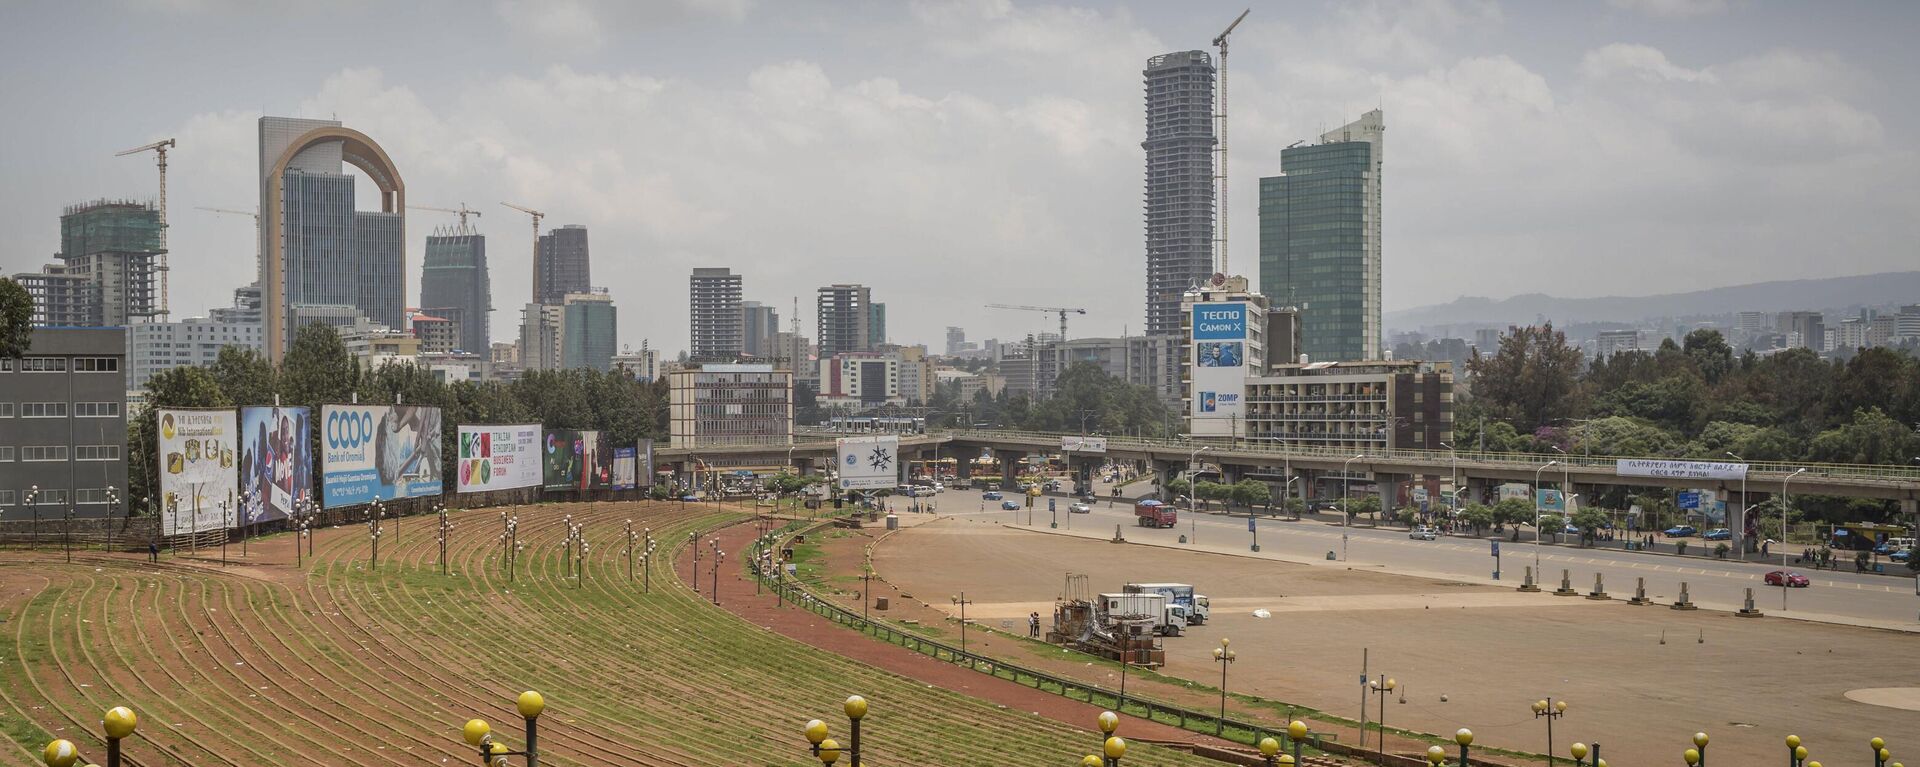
[446,533]
[1464,737]
[1223,656]
[1697,756]
[1453,457]
[718,557]
[1346,502]
[962,601]
[1554,709]
[119,723]
[1536,521]
[826,749]
[1383,687]
[493,753]
[1784,503]
[1746,508]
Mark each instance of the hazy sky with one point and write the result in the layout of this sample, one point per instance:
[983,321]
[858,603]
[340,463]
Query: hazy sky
[955,154]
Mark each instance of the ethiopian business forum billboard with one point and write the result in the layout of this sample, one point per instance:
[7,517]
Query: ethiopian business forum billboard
[378,451]
[500,457]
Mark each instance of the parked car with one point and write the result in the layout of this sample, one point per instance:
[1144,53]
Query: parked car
[1787,578]
[1422,533]
[1080,508]
[1718,534]
[1088,498]
[1681,531]
[1010,505]
[990,495]
[1901,555]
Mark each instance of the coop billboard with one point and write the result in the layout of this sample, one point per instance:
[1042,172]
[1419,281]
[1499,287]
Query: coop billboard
[500,457]
[276,462]
[197,455]
[379,452]
[868,463]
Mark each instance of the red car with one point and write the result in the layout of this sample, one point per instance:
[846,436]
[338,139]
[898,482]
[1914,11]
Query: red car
[1788,578]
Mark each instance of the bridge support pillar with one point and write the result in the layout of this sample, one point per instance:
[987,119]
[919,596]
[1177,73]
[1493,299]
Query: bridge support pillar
[1009,469]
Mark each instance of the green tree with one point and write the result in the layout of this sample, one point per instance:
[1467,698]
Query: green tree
[317,368]
[1479,516]
[1620,435]
[1179,487]
[245,376]
[1531,379]
[1871,437]
[1407,515]
[16,319]
[1213,491]
[1251,493]
[1712,358]
[1513,511]
[1591,521]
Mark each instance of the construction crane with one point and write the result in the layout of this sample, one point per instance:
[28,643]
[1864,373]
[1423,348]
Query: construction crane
[159,149]
[1221,204]
[1060,310]
[538,291]
[256,228]
[463,212]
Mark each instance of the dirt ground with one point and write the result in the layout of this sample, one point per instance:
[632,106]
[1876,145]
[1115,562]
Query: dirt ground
[1640,680]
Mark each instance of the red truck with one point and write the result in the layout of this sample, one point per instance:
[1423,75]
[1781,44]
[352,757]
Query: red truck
[1151,513]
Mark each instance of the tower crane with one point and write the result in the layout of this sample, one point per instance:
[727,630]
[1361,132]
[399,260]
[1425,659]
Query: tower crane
[538,289]
[1220,204]
[159,149]
[463,213]
[1060,310]
[255,215]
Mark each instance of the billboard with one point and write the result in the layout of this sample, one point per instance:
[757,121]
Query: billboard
[197,457]
[1083,444]
[624,464]
[574,460]
[1219,363]
[276,462]
[1550,501]
[499,457]
[1679,469]
[645,469]
[868,463]
[378,451]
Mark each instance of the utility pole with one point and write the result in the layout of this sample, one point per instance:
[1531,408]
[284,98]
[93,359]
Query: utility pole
[1220,204]
[159,149]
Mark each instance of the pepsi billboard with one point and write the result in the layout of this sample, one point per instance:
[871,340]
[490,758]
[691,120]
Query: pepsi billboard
[382,452]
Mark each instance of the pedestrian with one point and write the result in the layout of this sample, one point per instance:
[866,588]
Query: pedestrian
[153,551]
[1763,547]
[1033,625]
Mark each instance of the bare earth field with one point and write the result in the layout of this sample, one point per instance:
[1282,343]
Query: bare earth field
[1491,651]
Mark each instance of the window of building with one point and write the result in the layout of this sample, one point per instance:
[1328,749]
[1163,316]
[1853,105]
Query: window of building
[49,497]
[91,495]
[43,453]
[43,364]
[96,364]
[96,409]
[96,453]
[9,497]
[43,410]
[6,410]
[6,453]
[6,365]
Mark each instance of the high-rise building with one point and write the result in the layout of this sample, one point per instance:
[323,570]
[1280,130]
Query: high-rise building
[759,323]
[1180,182]
[643,365]
[1226,332]
[61,299]
[564,266]
[713,315]
[1754,322]
[589,331]
[541,336]
[1320,239]
[1805,329]
[717,405]
[876,324]
[1906,324]
[454,284]
[956,340]
[64,406]
[1610,342]
[316,250]
[843,319]
[115,244]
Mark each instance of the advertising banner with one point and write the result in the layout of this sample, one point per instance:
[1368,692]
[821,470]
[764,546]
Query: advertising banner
[1636,467]
[197,457]
[1219,362]
[868,463]
[1083,444]
[645,459]
[1551,501]
[574,460]
[276,462]
[624,463]
[378,451]
[499,457]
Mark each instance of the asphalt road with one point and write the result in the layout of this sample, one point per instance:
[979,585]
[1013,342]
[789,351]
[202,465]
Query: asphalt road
[1875,600]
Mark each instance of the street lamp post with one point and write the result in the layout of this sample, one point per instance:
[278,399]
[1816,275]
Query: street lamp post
[119,723]
[1346,502]
[1796,753]
[962,601]
[1222,655]
[33,505]
[1880,753]
[226,509]
[1383,687]
[1109,722]
[446,533]
[375,513]
[1464,737]
[1536,520]
[113,502]
[826,749]
[492,752]
[1740,525]
[718,557]
[1550,709]
[1453,458]
[1785,585]
[1193,495]
[1697,756]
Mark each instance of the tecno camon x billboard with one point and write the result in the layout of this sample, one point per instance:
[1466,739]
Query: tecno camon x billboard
[1219,363]
[378,451]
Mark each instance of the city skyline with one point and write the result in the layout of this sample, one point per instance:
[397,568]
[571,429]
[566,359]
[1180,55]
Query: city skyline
[1568,151]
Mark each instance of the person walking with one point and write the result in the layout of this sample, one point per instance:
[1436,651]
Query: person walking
[153,551]
[1033,625]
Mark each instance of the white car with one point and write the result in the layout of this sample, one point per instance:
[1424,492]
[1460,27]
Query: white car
[1080,508]
[1422,533]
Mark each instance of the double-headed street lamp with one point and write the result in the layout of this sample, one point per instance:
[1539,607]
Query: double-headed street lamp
[1796,753]
[509,542]
[1746,508]
[444,535]
[113,502]
[1346,502]
[962,601]
[1785,586]
[1552,709]
[375,513]
[1193,493]
[1222,655]
[1112,746]
[494,753]
[1383,687]
[826,749]
[1697,756]
[33,505]
[1453,457]
[119,722]
[1580,752]
[718,557]
[1536,520]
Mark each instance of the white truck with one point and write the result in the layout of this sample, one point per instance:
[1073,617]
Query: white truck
[1167,618]
[1197,606]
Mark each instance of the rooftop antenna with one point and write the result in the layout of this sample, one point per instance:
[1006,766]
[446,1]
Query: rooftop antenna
[1220,204]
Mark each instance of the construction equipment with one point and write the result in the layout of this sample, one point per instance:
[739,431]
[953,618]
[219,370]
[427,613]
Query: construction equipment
[159,149]
[1220,173]
[1060,310]
[538,288]
[255,215]
[463,213]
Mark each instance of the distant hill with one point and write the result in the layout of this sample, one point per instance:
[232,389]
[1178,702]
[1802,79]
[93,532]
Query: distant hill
[1784,295]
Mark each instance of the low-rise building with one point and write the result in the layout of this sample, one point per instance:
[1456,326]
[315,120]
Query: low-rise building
[153,347]
[718,405]
[63,424]
[1352,406]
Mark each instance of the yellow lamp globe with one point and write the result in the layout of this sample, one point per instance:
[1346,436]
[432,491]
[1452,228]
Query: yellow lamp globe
[1813,764]
[1297,730]
[1269,746]
[1392,683]
[1436,754]
[1700,739]
[1885,755]
[1599,763]
[1539,706]
[1109,722]
[829,751]
[1560,707]
[475,731]
[1692,756]
[1877,744]
[1463,736]
[1579,751]
[1090,761]
[1793,741]
[530,704]
[1286,759]
[119,722]
[1800,753]
[499,752]
[816,731]
[855,706]
[61,753]
[1115,747]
